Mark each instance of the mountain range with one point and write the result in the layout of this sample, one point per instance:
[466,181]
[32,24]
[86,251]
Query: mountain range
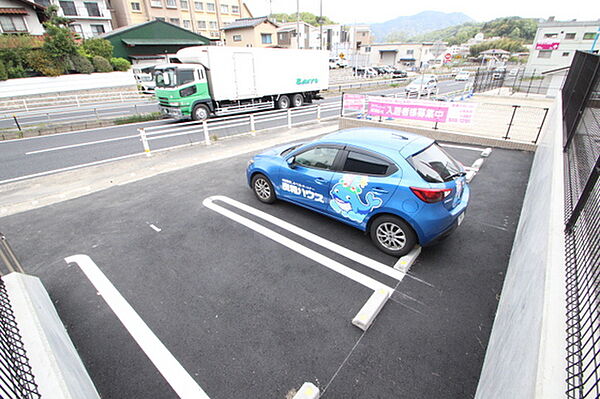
[404,27]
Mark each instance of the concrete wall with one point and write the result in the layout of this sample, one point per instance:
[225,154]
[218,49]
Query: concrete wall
[526,353]
[65,83]
[55,363]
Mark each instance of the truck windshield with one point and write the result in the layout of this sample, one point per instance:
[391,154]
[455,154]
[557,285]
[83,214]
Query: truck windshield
[173,77]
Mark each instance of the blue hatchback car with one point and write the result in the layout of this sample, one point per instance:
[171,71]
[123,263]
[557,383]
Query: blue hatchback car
[401,188]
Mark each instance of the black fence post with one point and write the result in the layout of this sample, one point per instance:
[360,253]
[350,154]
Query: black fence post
[512,118]
[17,122]
[530,82]
[541,126]
[342,107]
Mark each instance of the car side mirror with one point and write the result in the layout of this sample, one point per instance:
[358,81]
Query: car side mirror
[291,161]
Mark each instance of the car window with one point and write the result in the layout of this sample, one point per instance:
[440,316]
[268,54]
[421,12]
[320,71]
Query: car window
[435,165]
[357,162]
[318,157]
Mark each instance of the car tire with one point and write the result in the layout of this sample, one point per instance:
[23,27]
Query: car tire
[392,235]
[263,188]
[283,102]
[297,100]
[200,112]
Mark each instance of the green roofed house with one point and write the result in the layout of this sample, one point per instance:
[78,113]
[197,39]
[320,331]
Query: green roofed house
[151,40]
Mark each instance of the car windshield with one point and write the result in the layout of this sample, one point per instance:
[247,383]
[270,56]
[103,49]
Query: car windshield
[172,77]
[435,165]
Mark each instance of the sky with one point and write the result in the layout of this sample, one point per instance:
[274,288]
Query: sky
[350,11]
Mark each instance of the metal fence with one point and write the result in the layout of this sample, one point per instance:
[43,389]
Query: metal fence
[581,117]
[517,79]
[16,379]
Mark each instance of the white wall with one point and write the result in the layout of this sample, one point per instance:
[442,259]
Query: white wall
[64,83]
[525,357]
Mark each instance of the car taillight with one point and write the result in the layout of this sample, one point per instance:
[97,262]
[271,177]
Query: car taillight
[431,195]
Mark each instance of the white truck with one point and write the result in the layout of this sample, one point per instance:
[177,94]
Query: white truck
[220,80]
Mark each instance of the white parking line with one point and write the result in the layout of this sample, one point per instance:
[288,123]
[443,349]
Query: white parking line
[348,253]
[179,379]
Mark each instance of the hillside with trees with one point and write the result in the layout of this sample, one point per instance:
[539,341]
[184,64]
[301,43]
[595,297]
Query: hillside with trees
[307,17]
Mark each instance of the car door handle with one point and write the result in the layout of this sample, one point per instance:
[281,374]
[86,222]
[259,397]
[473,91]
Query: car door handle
[320,180]
[380,190]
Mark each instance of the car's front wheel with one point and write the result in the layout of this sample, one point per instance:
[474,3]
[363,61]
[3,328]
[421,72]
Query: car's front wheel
[263,189]
[392,235]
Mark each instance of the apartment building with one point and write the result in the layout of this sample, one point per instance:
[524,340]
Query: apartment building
[408,55]
[251,32]
[89,18]
[21,16]
[288,38]
[555,43]
[205,17]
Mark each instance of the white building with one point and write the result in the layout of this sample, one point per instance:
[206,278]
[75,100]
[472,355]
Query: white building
[287,37]
[21,16]
[555,43]
[90,17]
[404,55]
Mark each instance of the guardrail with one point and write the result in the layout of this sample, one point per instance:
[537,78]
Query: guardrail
[289,118]
[8,257]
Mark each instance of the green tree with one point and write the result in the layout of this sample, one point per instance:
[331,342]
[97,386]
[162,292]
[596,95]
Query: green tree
[101,64]
[3,73]
[58,46]
[396,37]
[120,64]
[307,17]
[97,46]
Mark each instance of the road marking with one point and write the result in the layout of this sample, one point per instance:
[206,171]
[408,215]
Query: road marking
[157,229]
[49,172]
[294,246]
[179,379]
[345,252]
[462,147]
[64,147]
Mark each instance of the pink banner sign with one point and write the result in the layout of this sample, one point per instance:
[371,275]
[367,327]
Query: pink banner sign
[354,101]
[418,112]
[547,44]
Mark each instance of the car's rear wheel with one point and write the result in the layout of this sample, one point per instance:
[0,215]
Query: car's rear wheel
[392,235]
[263,189]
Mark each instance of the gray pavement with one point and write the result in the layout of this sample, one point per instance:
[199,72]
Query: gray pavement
[247,317]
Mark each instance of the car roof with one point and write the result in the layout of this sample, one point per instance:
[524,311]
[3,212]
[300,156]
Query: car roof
[388,142]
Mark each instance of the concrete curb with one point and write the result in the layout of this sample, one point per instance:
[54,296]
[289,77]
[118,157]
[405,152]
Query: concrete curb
[404,263]
[366,315]
[307,391]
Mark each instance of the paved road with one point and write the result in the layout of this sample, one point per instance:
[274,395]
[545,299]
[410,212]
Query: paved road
[249,318]
[24,158]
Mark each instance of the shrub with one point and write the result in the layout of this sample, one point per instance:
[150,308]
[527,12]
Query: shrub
[81,64]
[120,64]
[138,118]
[96,46]
[15,71]
[101,64]
[40,62]
[3,73]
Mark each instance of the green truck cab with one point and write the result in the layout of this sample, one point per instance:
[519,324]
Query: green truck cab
[182,91]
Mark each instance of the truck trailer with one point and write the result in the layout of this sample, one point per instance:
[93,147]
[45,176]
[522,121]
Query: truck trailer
[220,80]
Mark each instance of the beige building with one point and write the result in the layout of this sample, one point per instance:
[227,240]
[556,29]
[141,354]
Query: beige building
[206,17]
[251,32]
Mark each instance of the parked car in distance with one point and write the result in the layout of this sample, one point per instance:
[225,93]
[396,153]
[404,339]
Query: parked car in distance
[342,63]
[401,188]
[380,70]
[367,72]
[422,86]
[399,74]
[499,73]
[462,76]
[332,63]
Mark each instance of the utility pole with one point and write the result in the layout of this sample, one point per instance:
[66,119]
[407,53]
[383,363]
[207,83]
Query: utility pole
[321,26]
[298,24]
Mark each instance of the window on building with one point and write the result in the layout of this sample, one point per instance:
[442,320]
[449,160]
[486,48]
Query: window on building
[545,54]
[77,29]
[198,6]
[97,29]
[201,24]
[265,38]
[589,35]
[550,35]
[160,18]
[235,9]
[210,7]
[187,24]
[565,54]
[68,7]
[569,36]
[213,24]
[214,34]
[135,6]
[367,49]
[171,4]
[92,9]
[156,3]
[224,8]
[184,4]
[12,23]
[174,21]
[410,52]
[237,38]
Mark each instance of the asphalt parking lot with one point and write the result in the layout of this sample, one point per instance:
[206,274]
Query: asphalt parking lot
[248,317]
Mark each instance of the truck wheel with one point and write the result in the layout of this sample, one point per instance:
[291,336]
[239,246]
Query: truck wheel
[200,113]
[283,102]
[297,100]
